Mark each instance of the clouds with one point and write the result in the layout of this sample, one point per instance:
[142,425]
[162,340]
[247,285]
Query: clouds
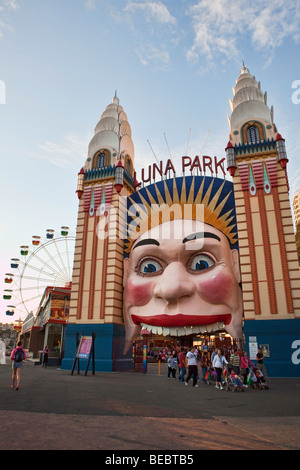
[273,22]
[159,57]
[213,29]
[90,4]
[207,30]
[219,27]
[7,6]
[203,31]
[156,11]
[152,26]
[69,152]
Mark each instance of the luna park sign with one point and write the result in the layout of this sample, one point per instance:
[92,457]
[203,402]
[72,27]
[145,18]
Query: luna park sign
[200,164]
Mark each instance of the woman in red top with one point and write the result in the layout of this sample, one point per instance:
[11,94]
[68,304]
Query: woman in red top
[246,363]
[17,356]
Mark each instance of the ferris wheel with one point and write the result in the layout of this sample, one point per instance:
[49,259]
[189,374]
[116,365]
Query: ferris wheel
[46,262]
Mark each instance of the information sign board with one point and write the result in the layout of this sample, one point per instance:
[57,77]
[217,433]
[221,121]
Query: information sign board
[85,351]
[85,346]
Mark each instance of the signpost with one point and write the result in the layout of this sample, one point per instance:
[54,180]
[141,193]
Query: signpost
[85,350]
[253,348]
[140,356]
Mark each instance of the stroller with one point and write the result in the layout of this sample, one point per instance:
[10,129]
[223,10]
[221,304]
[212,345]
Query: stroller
[232,382]
[210,376]
[258,379]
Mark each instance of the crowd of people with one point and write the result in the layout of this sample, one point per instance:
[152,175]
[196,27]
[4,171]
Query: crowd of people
[186,364]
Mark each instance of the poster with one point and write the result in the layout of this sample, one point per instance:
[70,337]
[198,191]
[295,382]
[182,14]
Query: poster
[253,348]
[84,347]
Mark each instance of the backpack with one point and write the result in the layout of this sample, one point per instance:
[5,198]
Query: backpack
[19,355]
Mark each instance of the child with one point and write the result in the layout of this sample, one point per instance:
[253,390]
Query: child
[236,380]
[172,365]
[259,376]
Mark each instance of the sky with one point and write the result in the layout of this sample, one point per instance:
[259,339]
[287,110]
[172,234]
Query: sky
[173,64]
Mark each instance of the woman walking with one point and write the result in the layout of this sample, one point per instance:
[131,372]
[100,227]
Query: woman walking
[45,356]
[246,364]
[218,362]
[17,356]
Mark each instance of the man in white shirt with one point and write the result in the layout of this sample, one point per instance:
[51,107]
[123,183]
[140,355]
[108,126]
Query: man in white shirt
[191,358]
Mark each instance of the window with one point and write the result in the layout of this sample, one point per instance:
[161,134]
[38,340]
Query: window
[101,160]
[128,165]
[252,134]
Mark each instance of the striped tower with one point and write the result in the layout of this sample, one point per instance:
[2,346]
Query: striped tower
[96,295]
[257,162]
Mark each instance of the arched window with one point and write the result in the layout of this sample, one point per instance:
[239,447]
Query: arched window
[128,165]
[252,134]
[101,158]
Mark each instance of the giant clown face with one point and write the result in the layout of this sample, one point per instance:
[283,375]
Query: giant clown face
[180,278]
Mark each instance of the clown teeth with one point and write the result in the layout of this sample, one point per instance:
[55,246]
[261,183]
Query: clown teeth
[183,331]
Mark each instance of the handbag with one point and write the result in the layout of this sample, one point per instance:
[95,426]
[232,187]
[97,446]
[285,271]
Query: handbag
[249,379]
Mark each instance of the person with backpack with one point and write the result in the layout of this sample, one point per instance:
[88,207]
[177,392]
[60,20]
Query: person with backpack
[17,356]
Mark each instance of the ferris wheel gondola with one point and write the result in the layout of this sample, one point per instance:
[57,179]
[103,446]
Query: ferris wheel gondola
[47,262]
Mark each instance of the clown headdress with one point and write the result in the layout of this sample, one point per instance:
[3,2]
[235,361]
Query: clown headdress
[150,206]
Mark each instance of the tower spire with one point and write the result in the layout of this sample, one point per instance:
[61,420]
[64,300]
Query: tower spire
[112,140]
[248,103]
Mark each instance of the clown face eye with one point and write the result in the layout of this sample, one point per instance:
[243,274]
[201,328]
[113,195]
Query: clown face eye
[149,267]
[200,262]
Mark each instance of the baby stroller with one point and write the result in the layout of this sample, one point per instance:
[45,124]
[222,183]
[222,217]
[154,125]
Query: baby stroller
[260,381]
[233,382]
[210,376]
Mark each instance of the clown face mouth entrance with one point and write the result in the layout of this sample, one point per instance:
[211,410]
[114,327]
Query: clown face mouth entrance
[159,344]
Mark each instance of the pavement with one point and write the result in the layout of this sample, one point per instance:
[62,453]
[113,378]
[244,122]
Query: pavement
[127,411]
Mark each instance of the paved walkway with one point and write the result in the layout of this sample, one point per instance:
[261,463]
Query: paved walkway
[132,411]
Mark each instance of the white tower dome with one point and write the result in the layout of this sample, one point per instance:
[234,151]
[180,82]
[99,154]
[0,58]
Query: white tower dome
[249,103]
[112,138]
